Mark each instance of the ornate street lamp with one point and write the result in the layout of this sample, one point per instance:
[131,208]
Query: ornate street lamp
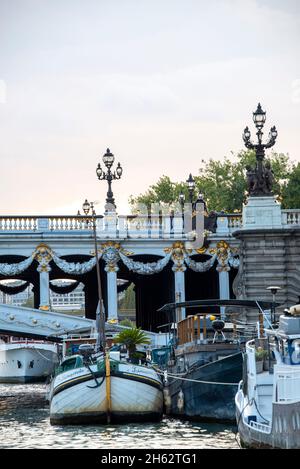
[90,218]
[191,187]
[181,199]
[109,176]
[260,179]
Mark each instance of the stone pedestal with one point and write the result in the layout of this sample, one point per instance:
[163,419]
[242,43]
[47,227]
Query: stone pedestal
[262,213]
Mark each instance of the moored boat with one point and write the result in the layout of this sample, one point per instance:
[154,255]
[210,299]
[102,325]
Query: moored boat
[206,392]
[26,361]
[268,399]
[82,391]
[207,363]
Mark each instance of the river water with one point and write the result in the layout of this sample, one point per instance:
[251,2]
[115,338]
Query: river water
[24,423]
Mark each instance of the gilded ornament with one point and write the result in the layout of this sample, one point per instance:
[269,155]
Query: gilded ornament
[224,253]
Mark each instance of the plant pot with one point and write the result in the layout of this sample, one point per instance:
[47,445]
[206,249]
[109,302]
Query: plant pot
[266,365]
[259,366]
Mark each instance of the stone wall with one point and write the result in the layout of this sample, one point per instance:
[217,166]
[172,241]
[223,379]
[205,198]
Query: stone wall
[269,257]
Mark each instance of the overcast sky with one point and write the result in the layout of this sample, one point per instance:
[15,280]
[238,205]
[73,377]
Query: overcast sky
[162,83]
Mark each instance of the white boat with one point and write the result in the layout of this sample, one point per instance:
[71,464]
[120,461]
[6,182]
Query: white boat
[268,399]
[26,361]
[82,393]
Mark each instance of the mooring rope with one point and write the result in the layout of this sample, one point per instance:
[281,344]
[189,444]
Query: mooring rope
[194,380]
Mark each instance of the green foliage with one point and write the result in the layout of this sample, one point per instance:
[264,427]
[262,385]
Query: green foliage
[131,338]
[291,190]
[126,322]
[223,183]
[29,303]
[128,300]
[164,191]
[260,354]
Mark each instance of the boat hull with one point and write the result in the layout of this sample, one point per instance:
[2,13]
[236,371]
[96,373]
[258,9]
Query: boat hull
[284,432]
[76,399]
[207,402]
[26,362]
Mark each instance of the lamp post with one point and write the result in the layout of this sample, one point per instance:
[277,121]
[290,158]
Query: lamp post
[109,176]
[260,180]
[273,290]
[190,182]
[90,217]
[191,187]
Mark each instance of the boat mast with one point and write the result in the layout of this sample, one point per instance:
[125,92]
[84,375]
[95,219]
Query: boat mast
[100,324]
[100,314]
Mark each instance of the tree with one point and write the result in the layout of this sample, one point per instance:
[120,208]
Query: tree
[223,183]
[291,190]
[164,191]
[131,338]
[29,303]
[127,302]
[126,322]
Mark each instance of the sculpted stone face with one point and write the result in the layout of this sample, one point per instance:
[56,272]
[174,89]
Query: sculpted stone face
[111,256]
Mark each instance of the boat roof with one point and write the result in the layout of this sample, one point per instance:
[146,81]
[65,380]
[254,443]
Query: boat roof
[203,303]
[282,335]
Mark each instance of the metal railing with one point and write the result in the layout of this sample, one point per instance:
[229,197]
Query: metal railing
[196,327]
[261,427]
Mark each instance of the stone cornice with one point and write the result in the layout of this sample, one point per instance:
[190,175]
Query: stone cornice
[282,232]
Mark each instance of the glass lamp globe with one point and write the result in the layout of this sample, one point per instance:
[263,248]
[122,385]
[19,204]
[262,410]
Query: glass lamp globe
[274,132]
[247,133]
[191,182]
[99,171]
[119,170]
[259,117]
[86,207]
[108,158]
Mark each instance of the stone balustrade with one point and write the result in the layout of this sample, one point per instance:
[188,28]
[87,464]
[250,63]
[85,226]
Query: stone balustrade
[290,217]
[114,226]
[128,226]
[30,223]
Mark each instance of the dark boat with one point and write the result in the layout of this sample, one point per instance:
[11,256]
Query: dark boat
[205,366]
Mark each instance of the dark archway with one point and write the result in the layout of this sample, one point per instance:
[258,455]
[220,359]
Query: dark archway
[30,275]
[202,285]
[152,292]
[88,279]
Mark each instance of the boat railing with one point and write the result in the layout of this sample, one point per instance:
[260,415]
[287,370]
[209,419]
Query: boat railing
[195,328]
[240,386]
[250,350]
[261,427]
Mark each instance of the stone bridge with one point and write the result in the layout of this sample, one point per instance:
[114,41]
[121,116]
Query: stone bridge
[156,255]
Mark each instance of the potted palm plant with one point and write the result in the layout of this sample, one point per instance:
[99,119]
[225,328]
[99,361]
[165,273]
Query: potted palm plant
[131,338]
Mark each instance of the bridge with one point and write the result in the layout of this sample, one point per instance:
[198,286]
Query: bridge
[154,253]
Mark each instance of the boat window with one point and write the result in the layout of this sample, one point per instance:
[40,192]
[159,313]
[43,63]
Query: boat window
[71,363]
[295,352]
